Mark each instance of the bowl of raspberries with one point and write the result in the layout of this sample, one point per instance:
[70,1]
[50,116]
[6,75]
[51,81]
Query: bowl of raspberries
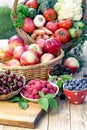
[75,90]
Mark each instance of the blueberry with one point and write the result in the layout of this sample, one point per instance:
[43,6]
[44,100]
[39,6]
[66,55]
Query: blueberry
[85,75]
[62,96]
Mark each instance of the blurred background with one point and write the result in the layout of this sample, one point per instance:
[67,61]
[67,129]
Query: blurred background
[7,28]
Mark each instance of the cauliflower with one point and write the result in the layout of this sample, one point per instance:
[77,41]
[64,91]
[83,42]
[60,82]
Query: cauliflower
[69,9]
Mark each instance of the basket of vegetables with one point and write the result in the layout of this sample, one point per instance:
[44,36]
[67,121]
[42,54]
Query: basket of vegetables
[42,19]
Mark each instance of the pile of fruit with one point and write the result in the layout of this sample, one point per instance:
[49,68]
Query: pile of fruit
[42,19]
[10,82]
[33,87]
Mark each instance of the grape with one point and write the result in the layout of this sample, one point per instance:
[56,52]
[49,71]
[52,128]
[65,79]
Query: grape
[1,75]
[4,82]
[14,87]
[6,91]
[12,76]
[20,84]
[7,72]
[19,78]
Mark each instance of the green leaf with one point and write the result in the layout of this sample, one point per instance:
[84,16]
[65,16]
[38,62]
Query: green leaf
[44,103]
[53,103]
[50,96]
[41,93]
[66,77]
[52,78]
[60,85]
[15,99]
[23,104]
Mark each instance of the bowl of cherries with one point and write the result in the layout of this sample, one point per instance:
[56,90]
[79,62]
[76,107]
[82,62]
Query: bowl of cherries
[10,84]
[75,90]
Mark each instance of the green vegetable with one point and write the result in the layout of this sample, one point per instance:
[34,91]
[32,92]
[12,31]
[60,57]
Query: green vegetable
[32,12]
[72,32]
[44,4]
[22,13]
[47,101]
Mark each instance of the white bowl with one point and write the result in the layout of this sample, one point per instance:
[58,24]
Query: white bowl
[36,100]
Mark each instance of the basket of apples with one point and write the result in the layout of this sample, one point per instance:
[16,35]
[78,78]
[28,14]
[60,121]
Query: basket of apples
[32,61]
[37,20]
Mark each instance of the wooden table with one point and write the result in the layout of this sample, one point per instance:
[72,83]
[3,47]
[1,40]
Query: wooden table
[66,117]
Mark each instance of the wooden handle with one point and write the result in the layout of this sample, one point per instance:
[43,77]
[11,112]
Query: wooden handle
[14,9]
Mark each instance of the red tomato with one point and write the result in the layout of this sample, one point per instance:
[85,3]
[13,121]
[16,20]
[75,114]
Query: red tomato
[50,14]
[28,25]
[65,23]
[52,26]
[62,34]
[52,45]
[32,4]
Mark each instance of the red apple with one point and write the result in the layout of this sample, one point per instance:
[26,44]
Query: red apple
[41,42]
[13,62]
[72,63]
[28,25]
[36,48]
[52,45]
[46,57]
[16,41]
[6,52]
[18,51]
[29,58]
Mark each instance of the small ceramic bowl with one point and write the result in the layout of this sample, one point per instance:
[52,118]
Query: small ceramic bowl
[75,96]
[36,100]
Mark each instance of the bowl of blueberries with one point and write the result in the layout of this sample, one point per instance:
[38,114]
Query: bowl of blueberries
[75,90]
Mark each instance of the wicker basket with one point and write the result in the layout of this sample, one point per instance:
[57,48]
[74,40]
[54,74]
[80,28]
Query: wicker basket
[35,71]
[28,40]
[10,95]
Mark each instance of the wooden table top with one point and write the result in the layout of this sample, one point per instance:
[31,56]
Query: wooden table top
[67,116]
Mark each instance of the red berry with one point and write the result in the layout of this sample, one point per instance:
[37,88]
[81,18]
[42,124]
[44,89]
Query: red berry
[34,92]
[52,91]
[44,90]
[37,96]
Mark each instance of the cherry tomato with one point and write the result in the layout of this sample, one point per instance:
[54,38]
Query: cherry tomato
[32,4]
[52,26]
[65,23]
[50,14]
[63,35]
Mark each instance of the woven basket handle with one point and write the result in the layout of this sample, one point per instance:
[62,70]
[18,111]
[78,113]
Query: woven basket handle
[15,8]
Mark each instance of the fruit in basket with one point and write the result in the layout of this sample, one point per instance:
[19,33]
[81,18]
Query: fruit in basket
[63,35]
[72,63]
[50,14]
[10,82]
[52,45]
[29,57]
[28,25]
[52,26]
[36,48]
[46,57]
[6,52]
[65,23]
[32,4]
[18,51]
[16,41]
[13,62]
[41,42]
[39,20]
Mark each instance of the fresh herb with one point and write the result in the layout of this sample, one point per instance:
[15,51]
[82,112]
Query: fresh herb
[60,81]
[22,13]
[47,101]
[21,102]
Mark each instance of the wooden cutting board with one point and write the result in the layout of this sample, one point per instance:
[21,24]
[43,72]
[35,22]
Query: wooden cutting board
[12,114]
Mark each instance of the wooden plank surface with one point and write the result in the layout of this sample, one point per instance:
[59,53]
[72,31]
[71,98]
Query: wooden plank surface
[12,114]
